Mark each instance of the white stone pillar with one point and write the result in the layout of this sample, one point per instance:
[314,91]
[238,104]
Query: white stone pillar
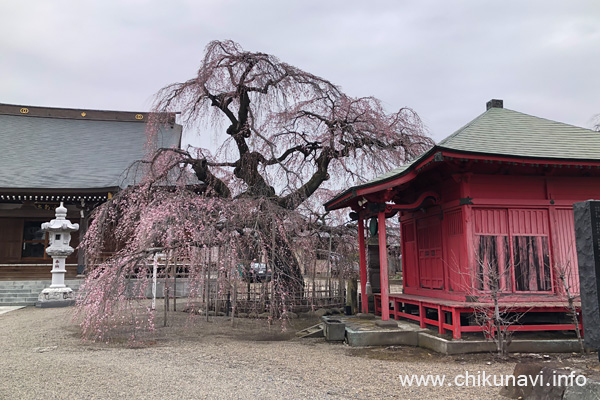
[58,272]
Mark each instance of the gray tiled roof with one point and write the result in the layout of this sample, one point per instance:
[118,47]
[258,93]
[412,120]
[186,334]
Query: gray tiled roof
[72,154]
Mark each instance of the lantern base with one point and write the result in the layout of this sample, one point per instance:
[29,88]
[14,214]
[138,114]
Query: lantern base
[56,297]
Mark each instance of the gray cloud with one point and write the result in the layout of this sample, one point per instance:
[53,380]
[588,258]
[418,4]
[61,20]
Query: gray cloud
[444,59]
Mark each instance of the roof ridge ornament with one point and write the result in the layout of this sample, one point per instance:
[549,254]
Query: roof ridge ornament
[494,103]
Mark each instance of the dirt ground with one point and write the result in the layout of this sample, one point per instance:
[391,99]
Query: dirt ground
[44,357]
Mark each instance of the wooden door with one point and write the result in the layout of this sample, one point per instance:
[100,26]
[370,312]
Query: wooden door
[11,232]
[429,239]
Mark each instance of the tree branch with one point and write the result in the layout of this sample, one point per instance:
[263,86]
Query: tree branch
[200,167]
[294,199]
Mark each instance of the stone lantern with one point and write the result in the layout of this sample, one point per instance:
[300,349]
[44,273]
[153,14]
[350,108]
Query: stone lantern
[59,230]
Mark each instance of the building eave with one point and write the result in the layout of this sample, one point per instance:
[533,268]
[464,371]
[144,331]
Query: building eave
[344,199]
[351,195]
[81,113]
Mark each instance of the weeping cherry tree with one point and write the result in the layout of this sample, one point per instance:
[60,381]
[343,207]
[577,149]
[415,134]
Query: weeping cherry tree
[286,140]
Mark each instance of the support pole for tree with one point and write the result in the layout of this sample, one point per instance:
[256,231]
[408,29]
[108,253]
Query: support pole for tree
[83,226]
[207,284]
[341,285]
[274,272]
[329,270]
[383,269]
[174,281]
[233,307]
[313,281]
[219,255]
[363,266]
[154,273]
[166,289]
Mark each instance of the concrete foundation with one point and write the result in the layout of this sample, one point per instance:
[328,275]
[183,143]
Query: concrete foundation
[366,332]
[445,346]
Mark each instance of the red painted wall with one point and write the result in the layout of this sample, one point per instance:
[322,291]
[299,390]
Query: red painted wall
[533,212]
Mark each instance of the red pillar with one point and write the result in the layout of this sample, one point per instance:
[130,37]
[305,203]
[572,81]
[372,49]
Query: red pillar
[363,266]
[383,268]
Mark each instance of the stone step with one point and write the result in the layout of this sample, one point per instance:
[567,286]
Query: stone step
[13,301]
[11,285]
[27,292]
[17,300]
[20,295]
[39,282]
[12,290]
[21,292]
[25,286]
[31,289]
[34,285]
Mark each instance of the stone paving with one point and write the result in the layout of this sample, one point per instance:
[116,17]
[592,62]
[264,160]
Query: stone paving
[5,309]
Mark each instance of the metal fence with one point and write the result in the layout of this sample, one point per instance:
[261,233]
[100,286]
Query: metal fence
[170,280]
[248,297]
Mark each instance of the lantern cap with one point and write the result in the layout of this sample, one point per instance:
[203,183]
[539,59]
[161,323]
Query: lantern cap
[61,211]
[60,223]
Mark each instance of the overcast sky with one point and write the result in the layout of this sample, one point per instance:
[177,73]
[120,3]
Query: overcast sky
[444,59]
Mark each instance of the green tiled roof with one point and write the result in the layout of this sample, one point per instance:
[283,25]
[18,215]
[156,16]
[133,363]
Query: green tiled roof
[506,132]
[392,173]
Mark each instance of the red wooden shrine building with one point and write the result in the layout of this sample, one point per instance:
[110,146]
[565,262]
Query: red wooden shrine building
[490,204]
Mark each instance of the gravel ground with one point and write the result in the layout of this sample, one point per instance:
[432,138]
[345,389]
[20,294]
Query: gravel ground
[44,358]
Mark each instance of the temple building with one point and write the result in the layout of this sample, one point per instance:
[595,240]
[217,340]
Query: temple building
[487,210]
[75,156]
